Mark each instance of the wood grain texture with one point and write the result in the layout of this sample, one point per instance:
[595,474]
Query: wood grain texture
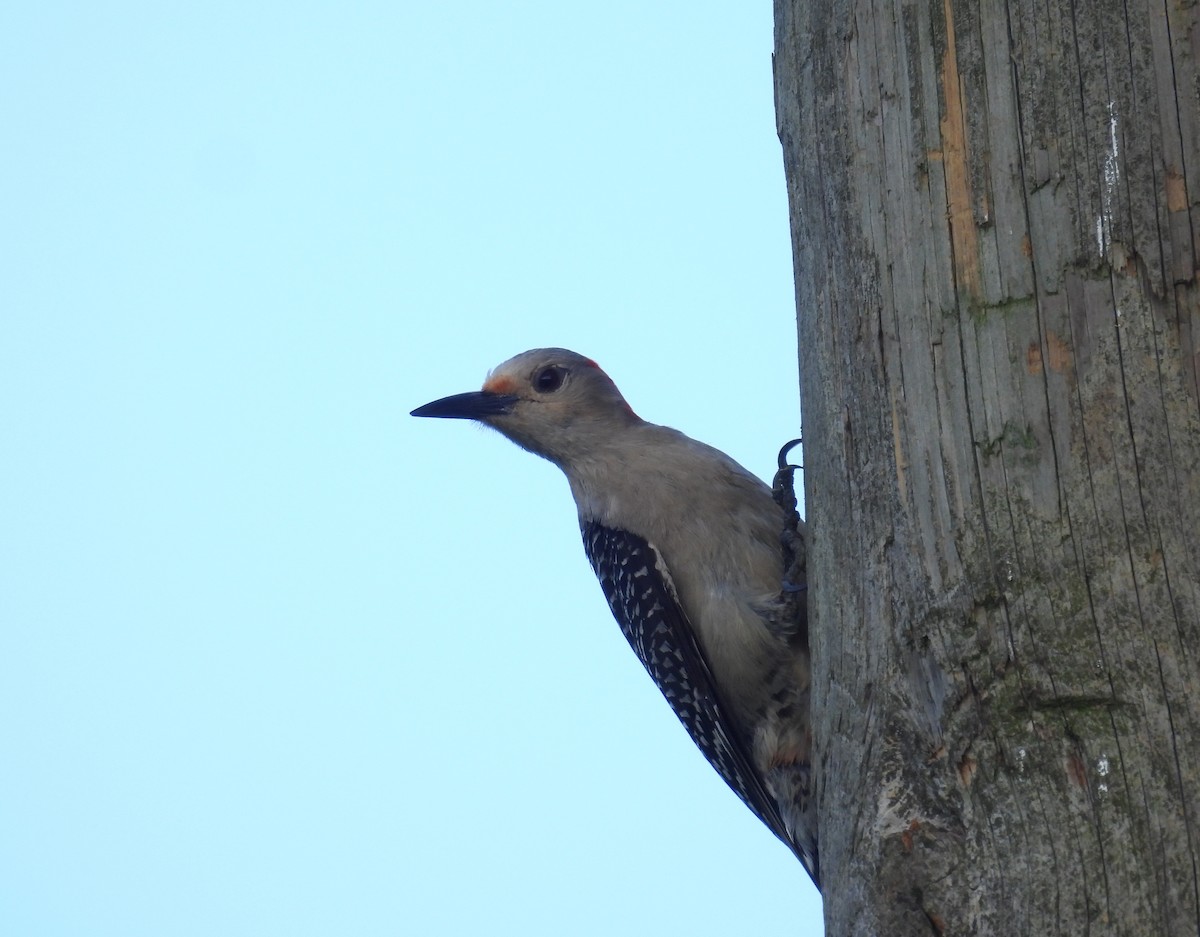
[996,225]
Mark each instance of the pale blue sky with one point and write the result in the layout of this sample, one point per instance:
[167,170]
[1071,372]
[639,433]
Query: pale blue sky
[275,658]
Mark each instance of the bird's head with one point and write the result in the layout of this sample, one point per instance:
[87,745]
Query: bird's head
[551,401]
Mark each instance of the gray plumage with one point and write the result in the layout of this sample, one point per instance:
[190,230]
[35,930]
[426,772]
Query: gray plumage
[686,545]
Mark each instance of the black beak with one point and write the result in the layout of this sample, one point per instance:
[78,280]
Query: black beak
[476,405]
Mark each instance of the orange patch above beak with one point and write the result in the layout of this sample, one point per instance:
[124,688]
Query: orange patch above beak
[500,385]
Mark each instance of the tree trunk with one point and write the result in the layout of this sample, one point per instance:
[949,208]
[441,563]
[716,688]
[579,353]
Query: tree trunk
[996,218]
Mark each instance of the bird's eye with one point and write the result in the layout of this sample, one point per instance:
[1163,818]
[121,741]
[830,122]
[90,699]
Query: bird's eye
[549,379]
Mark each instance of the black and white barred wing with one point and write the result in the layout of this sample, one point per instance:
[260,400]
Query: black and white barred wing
[642,598]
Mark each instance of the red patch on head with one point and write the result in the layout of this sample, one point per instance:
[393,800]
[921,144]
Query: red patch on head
[500,384]
[592,364]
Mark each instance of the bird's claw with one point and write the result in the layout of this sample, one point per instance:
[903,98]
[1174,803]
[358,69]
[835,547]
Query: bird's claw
[781,459]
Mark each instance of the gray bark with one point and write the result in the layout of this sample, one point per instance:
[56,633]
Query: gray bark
[996,223]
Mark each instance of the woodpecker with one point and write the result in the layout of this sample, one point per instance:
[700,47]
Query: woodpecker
[686,545]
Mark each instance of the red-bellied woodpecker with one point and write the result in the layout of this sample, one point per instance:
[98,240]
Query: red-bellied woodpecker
[686,545]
